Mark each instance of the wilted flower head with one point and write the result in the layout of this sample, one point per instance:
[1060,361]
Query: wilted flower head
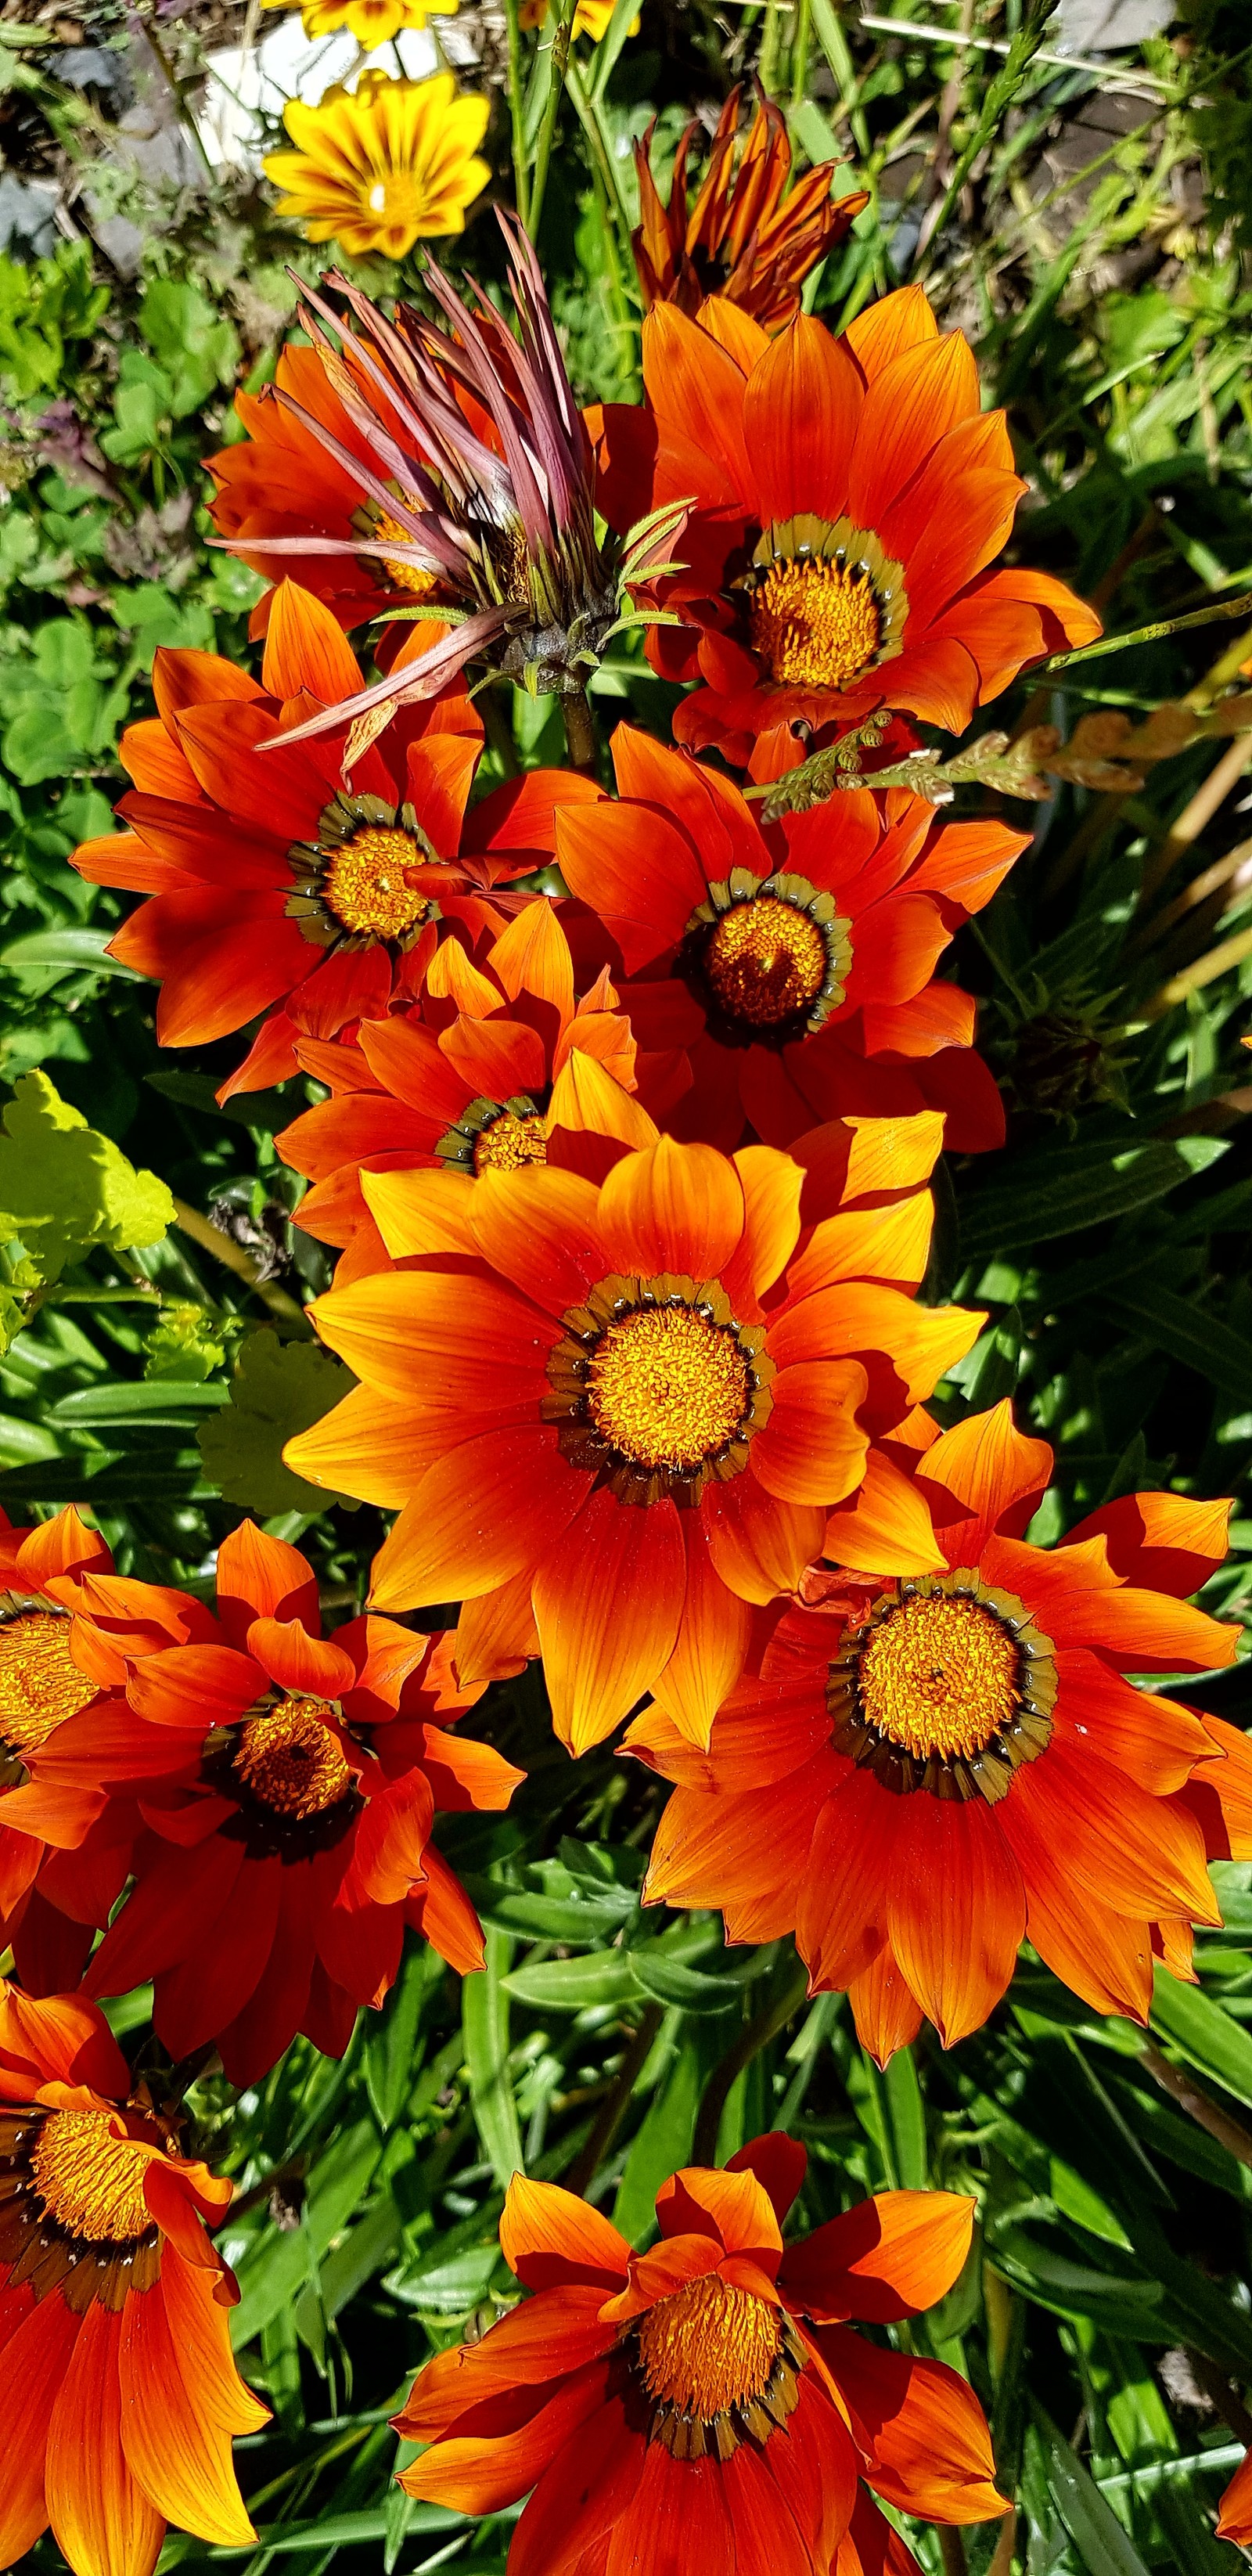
[474,476]
[740,239]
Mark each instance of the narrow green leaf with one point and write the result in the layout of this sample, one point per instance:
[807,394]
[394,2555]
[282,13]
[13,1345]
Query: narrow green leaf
[575,1985]
[1102,2544]
[485,2020]
[1208,2038]
[907,2114]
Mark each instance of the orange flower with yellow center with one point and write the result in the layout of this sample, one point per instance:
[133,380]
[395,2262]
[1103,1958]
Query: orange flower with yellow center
[120,2393]
[504,1068]
[922,1772]
[706,2405]
[795,962]
[309,1770]
[285,886]
[849,497]
[614,1417]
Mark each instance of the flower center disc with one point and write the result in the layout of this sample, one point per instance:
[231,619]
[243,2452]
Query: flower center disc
[940,1676]
[366,886]
[39,1684]
[417,579]
[509,1141]
[291,1760]
[90,2180]
[816,624]
[709,2347]
[668,1388]
[765,960]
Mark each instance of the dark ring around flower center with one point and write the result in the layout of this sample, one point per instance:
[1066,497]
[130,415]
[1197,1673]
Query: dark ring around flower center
[354,886]
[768,958]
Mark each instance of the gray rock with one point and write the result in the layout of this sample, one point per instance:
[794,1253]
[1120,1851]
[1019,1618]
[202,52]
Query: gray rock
[28,227]
[1108,26]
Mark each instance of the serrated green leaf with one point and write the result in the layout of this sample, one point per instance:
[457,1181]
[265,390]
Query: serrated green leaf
[278,1389]
[66,1191]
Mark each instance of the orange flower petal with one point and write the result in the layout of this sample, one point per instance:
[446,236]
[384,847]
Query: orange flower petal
[100,2516]
[482,1512]
[956,1911]
[677,1208]
[178,2453]
[712,1642]
[608,1599]
[801,413]
[886,2258]
[549,2236]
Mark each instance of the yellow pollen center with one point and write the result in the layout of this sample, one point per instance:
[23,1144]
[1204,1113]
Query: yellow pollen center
[667,1387]
[415,578]
[709,2347]
[39,1685]
[291,1760]
[765,960]
[395,197]
[939,1676]
[366,883]
[510,1141]
[815,624]
[90,2180]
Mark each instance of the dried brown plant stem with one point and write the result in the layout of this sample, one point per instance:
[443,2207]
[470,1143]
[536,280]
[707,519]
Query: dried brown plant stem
[210,1239]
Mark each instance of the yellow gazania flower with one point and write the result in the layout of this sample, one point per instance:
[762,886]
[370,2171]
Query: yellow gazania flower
[372,22]
[591,17]
[377,170]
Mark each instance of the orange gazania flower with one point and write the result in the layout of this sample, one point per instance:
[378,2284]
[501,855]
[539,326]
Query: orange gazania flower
[617,1417]
[281,885]
[950,1765]
[50,1901]
[795,964]
[289,1784]
[707,2406]
[849,498]
[119,2390]
[746,237]
[501,1067]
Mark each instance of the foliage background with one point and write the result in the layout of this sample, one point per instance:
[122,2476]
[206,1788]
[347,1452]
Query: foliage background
[1088,223]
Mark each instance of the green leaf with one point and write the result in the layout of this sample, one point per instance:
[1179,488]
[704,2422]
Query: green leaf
[64,1190]
[1102,2544]
[1060,1189]
[907,2114]
[71,950]
[1206,2035]
[278,1389]
[485,2019]
[602,1978]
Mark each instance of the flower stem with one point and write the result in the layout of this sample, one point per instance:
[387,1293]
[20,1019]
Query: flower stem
[517,114]
[755,2036]
[580,731]
[552,109]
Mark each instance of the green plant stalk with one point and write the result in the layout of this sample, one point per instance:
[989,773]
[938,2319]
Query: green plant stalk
[614,212]
[521,170]
[1221,609]
[1000,96]
[552,109]
[800,53]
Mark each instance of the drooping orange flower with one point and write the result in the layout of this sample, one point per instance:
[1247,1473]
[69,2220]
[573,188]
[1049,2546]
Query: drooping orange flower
[849,498]
[119,2392]
[500,1067]
[924,1773]
[289,1784]
[50,1901]
[794,964]
[613,1418]
[708,2405]
[750,236]
[280,884]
